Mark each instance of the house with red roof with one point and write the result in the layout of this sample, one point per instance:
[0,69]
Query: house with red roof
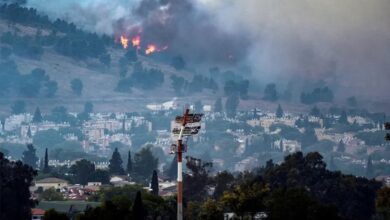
[37,214]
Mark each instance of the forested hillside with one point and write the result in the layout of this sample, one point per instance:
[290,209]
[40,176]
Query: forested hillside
[54,62]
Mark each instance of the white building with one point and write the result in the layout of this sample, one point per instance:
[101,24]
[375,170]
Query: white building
[34,128]
[359,120]
[170,105]
[109,124]
[120,181]
[51,182]
[290,146]
[15,121]
[94,183]
[37,214]
[207,108]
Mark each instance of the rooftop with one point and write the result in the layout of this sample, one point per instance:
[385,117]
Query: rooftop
[37,212]
[51,180]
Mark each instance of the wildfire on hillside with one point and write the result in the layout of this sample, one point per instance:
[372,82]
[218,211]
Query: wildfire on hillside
[151,48]
[124,42]
[136,43]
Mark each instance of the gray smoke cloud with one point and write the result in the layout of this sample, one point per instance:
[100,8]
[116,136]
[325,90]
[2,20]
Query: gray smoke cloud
[344,43]
[94,15]
[178,24]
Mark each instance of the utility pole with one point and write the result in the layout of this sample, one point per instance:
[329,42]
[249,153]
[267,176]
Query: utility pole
[180,168]
[186,119]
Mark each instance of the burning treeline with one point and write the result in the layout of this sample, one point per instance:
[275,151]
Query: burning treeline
[183,28]
[136,43]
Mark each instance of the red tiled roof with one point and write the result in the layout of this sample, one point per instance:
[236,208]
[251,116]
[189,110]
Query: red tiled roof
[37,212]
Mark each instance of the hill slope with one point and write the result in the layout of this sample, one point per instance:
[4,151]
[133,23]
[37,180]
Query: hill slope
[99,80]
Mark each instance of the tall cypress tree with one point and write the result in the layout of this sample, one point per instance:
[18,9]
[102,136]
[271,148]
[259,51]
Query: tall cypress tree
[279,111]
[29,135]
[139,212]
[129,164]
[46,168]
[154,183]
[2,124]
[369,168]
[115,166]
[281,145]
[124,126]
[341,147]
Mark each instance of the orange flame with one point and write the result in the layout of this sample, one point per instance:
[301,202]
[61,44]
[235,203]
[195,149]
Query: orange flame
[150,49]
[136,41]
[124,42]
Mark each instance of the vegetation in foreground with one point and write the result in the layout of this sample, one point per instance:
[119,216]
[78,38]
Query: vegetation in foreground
[299,188]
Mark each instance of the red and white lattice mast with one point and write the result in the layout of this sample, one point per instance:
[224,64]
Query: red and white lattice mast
[188,126]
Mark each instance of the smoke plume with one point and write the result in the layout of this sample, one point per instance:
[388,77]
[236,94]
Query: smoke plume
[345,43]
[342,42]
